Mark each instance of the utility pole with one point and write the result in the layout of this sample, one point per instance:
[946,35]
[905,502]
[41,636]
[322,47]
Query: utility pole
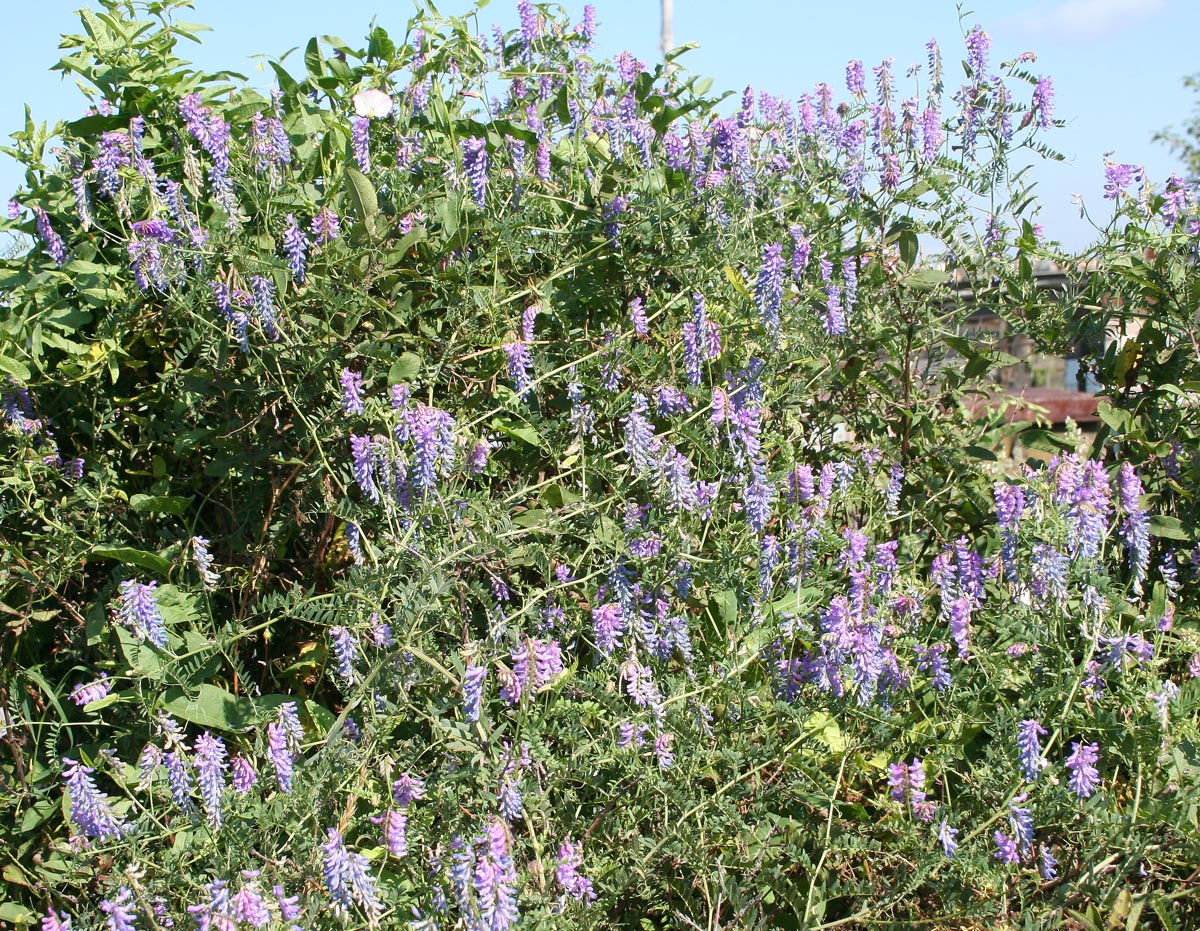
[668,40]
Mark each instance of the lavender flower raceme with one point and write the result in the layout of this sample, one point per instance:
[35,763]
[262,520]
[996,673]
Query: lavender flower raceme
[87,692]
[210,775]
[295,247]
[637,316]
[1049,864]
[395,832]
[1135,526]
[1084,778]
[325,227]
[137,609]
[907,785]
[495,879]
[283,742]
[55,247]
[360,142]
[1021,820]
[1117,177]
[348,879]
[264,305]
[946,837]
[1030,749]
[768,292]
[352,399]
[204,563]
[473,680]
[516,354]
[243,775]
[979,43]
[1042,103]
[608,623]
[91,809]
[1010,503]
[1006,849]
[120,914]
[345,649]
[475,164]
[570,858]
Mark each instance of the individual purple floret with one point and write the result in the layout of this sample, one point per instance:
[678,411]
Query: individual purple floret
[56,921]
[210,775]
[348,878]
[137,610]
[1085,778]
[566,872]
[91,809]
[87,692]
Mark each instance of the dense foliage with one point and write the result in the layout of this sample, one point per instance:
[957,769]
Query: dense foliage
[472,485]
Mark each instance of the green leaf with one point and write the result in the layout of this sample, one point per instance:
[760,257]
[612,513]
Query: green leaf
[363,196]
[1168,527]
[210,706]
[1045,440]
[16,913]
[14,368]
[909,246]
[404,369]
[160,504]
[133,557]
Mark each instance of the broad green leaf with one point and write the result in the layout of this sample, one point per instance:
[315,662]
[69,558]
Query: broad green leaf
[160,504]
[133,557]
[1168,527]
[363,197]
[406,367]
[14,368]
[210,706]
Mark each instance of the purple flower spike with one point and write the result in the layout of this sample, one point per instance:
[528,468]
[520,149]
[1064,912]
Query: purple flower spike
[1085,778]
[352,399]
[475,164]
[570,858]
[360,142]
[768,292]
[119,912]
[88,692]
[137,610]
[1030,749]
[348,878]
[91,809]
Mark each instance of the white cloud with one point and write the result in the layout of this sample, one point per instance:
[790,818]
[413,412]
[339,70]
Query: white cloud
[1089,20]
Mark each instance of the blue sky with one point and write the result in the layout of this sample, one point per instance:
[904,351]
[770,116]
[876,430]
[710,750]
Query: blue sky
[1117,65]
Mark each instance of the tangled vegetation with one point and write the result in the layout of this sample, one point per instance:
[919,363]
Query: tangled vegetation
[473,485]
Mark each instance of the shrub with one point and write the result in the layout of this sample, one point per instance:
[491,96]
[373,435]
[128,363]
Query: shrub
[474,484]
